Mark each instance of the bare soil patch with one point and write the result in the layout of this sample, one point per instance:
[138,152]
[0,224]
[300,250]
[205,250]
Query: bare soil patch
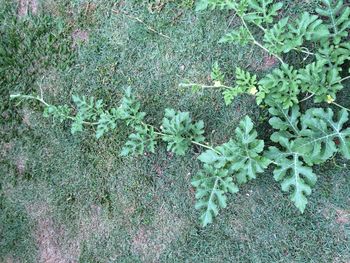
[27,6]
[151,242]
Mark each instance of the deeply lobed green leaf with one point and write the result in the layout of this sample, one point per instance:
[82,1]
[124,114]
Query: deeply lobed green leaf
[144,139]
[319,79]
[338,18]
[311,138]
[238,160]
[280,86]
[245,83]
[212,185]
[262,11]
[179,131]
[292,173]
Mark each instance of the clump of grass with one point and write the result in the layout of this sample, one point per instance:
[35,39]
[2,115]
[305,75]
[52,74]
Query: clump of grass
[29,46]
[16,237]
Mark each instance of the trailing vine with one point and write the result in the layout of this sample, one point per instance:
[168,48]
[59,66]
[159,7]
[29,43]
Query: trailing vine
[300,139]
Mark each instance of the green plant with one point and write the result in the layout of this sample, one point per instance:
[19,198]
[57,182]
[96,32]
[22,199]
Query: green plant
[303,139]
[234,162]
[300,141]
[239,160]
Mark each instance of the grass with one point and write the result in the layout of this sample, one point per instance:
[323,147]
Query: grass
[94,206]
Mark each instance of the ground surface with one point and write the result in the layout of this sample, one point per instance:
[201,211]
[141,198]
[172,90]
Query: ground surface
[66,198]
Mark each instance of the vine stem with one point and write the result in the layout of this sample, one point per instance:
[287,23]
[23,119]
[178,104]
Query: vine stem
[340,106]
[343,79]
[308,97]
[186,85]
[206,146]
[257,43]
[30,97]
[41,100]
[194,142]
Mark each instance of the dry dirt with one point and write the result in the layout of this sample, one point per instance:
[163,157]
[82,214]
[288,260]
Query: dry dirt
[53,244]
[27,6]
[150,242]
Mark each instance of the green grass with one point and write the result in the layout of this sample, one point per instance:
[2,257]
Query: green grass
[142,209]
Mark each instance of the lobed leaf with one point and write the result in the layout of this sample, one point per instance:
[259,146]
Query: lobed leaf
[245,83]
[240,36]
[212,185]
[294,176]
[338,18]
[286,35]
[179,131]
[144,139]
[320,80]
[280,86]
[325,135]
[107,122]
[263,11]
[242,156]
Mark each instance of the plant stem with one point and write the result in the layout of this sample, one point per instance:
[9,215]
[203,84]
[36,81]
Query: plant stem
[308,97]
[41,100]
[257,43]
[340,106]
[205,146]
[29,97]
[185,85]
[194,142]
[343,79]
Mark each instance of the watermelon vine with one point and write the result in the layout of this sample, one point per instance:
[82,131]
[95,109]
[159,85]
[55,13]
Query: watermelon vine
[300,139]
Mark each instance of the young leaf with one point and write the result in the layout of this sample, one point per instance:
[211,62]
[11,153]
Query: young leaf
[240,36]
[338,18]
[58,112]
[87,110]
[211,187]
[280,86]
[129,109]
[320,80]
[212,4]
[107,122]
[144,139]
[334,55]
[263,11]
[242,157]
[245,83]
[216,73]
[180,131]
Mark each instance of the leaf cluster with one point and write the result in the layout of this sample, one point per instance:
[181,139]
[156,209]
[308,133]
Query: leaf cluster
[301,140]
